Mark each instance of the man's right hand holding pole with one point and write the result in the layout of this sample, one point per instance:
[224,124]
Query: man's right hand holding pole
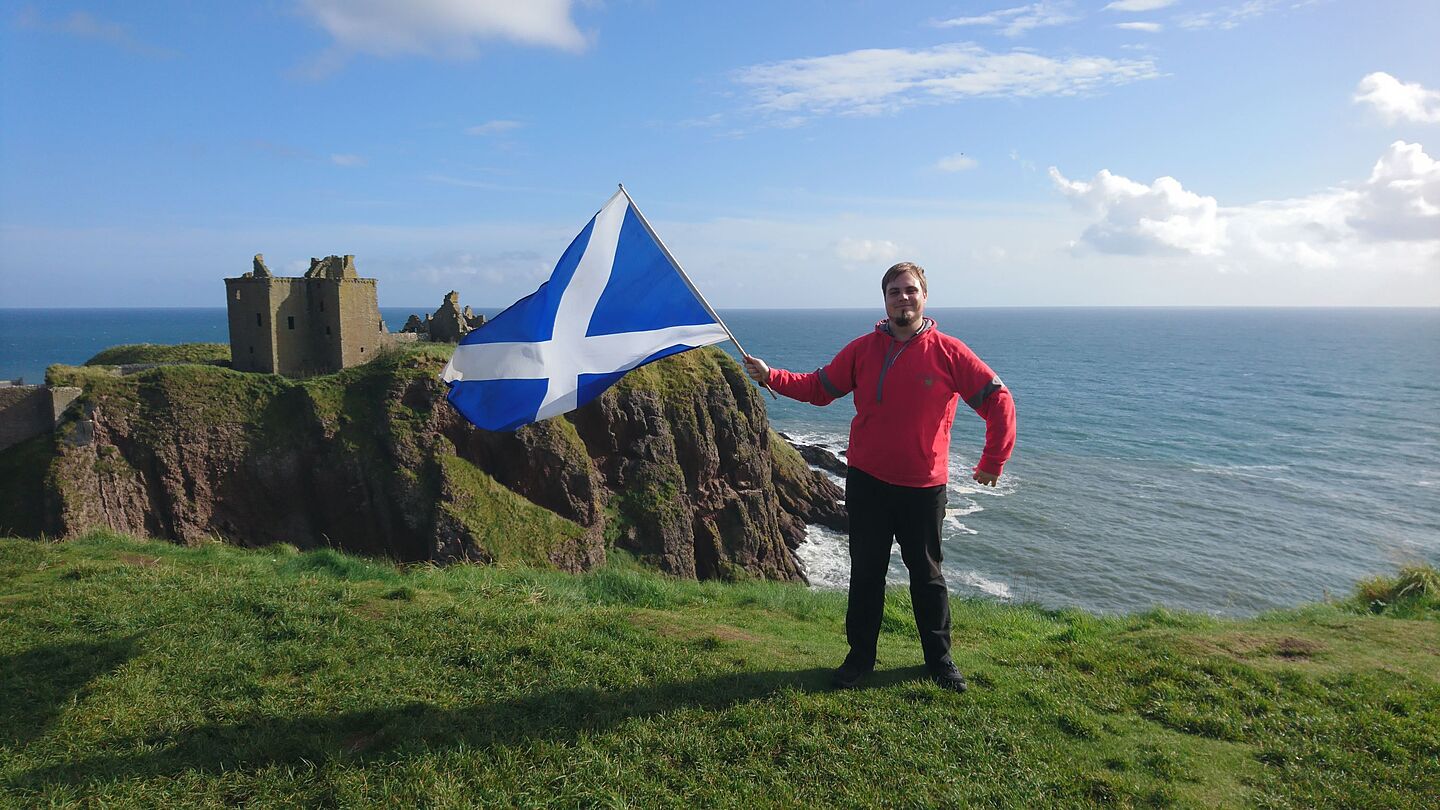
[758,371]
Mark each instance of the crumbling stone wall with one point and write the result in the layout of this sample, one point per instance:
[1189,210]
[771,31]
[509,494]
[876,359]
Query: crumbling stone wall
[30,410]
[448,324]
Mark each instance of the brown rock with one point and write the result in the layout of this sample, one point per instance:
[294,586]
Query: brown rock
[675,464]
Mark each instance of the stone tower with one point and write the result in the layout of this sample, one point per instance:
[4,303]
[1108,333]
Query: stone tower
[321,323]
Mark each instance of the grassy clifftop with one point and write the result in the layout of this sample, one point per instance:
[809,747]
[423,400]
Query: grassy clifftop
[143,673]
[162,353]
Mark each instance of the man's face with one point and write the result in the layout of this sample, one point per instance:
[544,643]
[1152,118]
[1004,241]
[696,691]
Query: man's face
[904,300]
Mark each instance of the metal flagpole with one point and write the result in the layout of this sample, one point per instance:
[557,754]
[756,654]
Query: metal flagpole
[688,282]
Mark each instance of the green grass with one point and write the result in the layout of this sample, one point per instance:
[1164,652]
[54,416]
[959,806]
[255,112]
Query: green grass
[162,353]
[139,673]
[508,529]
[1413,594]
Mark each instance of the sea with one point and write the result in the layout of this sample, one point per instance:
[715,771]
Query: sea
[1229,461]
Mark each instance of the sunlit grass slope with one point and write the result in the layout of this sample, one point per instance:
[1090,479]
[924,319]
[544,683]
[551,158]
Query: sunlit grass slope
[138,673]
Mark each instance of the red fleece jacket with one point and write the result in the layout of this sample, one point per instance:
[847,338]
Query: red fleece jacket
[905,395]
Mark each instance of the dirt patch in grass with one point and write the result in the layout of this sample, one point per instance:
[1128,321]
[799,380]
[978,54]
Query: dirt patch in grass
[1291,647]
[1249,646]
[1402,646]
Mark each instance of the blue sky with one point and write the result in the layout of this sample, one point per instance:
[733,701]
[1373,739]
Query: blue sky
[1137,152]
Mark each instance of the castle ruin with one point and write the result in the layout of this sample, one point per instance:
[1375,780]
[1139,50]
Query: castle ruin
[448,324]
[327,320]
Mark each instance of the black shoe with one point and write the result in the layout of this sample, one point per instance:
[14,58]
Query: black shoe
[849,675]
[948,677]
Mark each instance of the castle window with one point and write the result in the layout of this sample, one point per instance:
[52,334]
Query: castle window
[290,321]
[258,322]
[327,330]
[362,349]
[322,304]
[252,349]
[237,295]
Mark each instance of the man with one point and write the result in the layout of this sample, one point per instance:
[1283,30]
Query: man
[906,377]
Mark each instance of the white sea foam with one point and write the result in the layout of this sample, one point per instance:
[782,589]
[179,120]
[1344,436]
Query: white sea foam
[952,520]
[961,482]
[994,588]
[827,563]
[826,555]
[834,442]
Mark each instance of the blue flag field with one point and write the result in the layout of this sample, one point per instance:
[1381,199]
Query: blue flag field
[614,302]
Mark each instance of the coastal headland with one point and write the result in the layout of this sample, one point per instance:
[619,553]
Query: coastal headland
[676,465]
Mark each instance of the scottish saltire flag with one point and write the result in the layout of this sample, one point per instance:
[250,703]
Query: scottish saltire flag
[614,302]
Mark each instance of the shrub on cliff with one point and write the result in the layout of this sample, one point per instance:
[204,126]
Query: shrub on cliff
[1414,593]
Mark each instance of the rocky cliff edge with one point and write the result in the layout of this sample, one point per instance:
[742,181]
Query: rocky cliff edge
[676,464]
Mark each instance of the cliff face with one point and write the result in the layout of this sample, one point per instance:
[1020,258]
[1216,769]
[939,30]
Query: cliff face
[676,464]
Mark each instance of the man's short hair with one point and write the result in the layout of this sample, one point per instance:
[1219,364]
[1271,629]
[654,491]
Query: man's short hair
[901,269]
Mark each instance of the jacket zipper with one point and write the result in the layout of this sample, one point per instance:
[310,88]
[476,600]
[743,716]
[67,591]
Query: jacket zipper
[884,367]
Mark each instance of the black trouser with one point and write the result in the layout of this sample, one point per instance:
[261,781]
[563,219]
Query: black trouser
[880,514]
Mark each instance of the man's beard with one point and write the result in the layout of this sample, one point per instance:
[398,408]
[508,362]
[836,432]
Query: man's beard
[904,319]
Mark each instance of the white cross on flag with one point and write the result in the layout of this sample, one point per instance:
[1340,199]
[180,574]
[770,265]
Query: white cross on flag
[615,301]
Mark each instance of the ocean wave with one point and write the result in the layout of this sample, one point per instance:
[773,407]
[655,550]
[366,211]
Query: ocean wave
[961,483]
[826,555]
[1252,471]
[952,519]
[994,588]
[836,443]
[957,527]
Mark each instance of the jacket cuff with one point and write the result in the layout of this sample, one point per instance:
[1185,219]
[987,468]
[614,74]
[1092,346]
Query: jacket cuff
[994,466]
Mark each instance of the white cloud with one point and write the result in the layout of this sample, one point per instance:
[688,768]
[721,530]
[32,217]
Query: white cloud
[1147,27]
[1016,21]
[866,251]
[84,25]
[515,267]
[1228,17]
[450,29]
[347,161]
[1401,200]
[493,127]
[1397,101]
[874,81]
[1137,219]
[1389,221]
[1139,5]
[956,163]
